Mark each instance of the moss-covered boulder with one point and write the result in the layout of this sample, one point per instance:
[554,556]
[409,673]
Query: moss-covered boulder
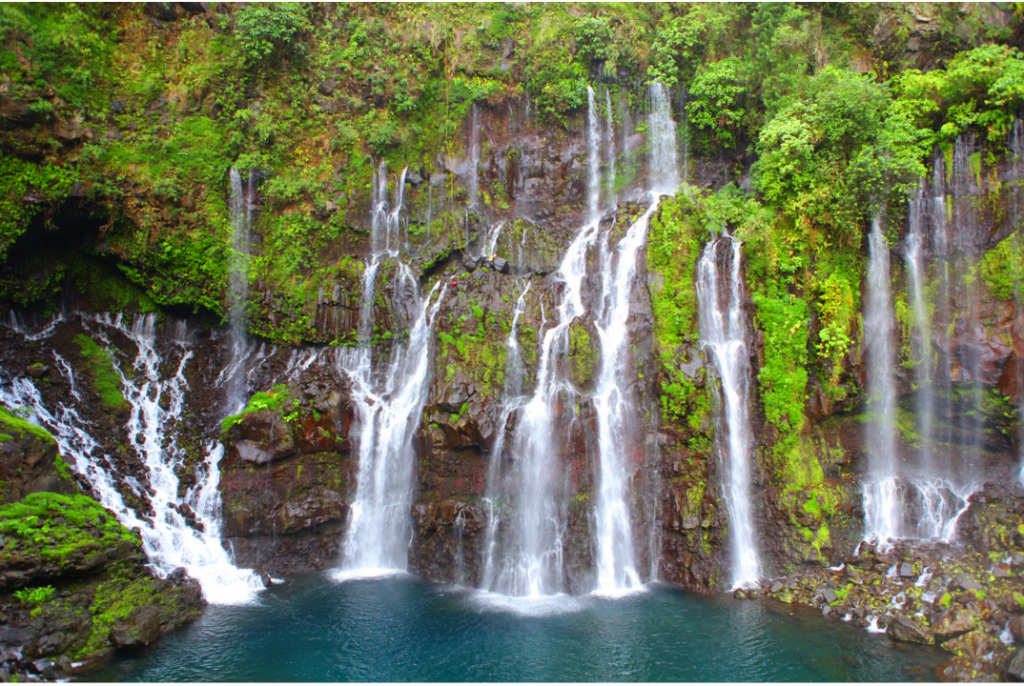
[70,573]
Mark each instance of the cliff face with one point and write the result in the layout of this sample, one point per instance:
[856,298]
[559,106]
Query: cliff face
[121,203]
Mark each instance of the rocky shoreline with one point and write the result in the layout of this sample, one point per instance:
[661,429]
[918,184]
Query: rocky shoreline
[967,598]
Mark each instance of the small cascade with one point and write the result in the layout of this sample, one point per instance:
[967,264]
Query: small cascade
[594,139]
[386,218]
[883,516]
[474,154]
[378,533]
[238,282]
[921,334]
[1016,146]
[724,333]
[490,246]
[609,146]
[663,156]
[156,406]
[616,416]
[533,543]
[499,489]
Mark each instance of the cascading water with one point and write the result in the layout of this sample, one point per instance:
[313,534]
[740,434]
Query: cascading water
[883,515]
[474,153]
[532,537]
[663,153]
[724,333]
[238,282]
[498,488]
[378,532]
[156,407]
[615,407]
[921,333]
[594,140]
[609,143]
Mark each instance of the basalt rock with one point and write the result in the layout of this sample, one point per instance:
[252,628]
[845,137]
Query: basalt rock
[906,630]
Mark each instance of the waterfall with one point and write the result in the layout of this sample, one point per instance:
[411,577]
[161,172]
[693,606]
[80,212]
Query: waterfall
[533,562]
[498,488]
[378,533]
[609,143]
[921,334]
[616,416]
[389,408]
[238,282]
[883,515]
[474,153]
[723,332]
[156,407]
[1016,146]
[613,401]
[663,157]
[386,218]
[593,158]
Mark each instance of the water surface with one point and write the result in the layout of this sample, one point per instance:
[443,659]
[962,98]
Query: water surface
[403,629]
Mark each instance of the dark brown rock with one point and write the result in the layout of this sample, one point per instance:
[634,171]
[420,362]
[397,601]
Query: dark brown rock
[140,632]
[907,631]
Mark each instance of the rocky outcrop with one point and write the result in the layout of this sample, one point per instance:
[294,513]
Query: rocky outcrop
[73,581]
[287,478]
[947,595]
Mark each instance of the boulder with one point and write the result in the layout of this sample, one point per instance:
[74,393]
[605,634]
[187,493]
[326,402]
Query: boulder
[952,623]
[907,631]
[1002,571]
[138,632]
[829,596]
[973,644]
[906,571]
[965,583]
[961,670]
[1017,627]
[1015,670]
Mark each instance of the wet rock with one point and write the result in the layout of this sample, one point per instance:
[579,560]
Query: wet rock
[44,668]
[1015,670]
[1002,571]
[907,631]
[952,623]
[965,583]
[829,596]
[1017,627]
[906,571]
[973,644]
[37,370]
[961,671]
[501,265]
[143,630]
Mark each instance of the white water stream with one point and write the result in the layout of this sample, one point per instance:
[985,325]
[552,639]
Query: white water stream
[156,399]
[723,332]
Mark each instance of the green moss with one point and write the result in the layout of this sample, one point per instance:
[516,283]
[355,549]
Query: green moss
[1002,268]
[57,527]
[271,401]
[100,365]
[21,426]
